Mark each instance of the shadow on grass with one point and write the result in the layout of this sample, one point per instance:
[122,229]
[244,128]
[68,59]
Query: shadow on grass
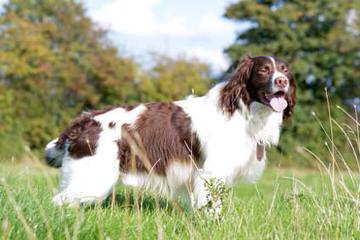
[144,202]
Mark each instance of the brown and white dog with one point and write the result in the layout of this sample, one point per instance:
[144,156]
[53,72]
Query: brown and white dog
[174,147]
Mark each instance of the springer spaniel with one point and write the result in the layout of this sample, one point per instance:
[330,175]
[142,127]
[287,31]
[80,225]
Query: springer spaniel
[174,147]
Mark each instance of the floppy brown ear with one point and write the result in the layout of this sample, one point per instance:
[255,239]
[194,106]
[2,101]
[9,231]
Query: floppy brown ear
[76,128]
[291,99]
[235,88]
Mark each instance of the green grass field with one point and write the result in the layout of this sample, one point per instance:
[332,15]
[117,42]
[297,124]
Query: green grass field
[285,204]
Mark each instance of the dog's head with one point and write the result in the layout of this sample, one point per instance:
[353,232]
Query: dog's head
[264,79]
[79,140]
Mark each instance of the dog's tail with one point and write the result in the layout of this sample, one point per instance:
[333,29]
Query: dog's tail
[54,154]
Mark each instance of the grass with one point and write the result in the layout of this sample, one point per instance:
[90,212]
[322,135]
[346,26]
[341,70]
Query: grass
[285,204]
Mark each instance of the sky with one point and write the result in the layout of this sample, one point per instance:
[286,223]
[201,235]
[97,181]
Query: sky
[194,28]
[171,27]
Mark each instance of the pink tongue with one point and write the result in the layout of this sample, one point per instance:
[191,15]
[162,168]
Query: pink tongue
[278,104]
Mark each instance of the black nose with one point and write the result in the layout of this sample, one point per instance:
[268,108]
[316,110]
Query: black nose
[51,161]
[281,82]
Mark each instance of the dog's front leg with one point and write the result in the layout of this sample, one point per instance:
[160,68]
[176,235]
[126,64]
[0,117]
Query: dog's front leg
[209,193]
[87,180]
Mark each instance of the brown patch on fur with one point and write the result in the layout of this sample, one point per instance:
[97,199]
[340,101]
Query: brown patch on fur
[83,133]
[235,89]
[112,124]
[260,80]
[160,136]
[82,136]
[131,157]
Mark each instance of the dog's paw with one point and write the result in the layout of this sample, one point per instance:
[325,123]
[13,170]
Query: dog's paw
[63,199]
[213,209]
[217,195]
[59,199]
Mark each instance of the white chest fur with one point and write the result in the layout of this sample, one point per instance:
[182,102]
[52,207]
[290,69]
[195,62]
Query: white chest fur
[229,142]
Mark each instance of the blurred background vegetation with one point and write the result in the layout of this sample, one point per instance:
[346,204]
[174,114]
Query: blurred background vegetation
[55,62]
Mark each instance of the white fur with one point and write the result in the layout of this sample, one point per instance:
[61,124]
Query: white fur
[175,184]
[275,75]
[151,182]
[91,178]
[228,144]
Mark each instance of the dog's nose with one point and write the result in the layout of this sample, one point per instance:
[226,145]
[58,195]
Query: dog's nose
[281,82]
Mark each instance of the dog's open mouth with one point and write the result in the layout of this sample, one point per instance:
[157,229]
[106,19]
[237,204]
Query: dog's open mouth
[276,101]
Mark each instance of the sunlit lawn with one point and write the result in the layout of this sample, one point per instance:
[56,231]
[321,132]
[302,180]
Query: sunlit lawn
[285,204]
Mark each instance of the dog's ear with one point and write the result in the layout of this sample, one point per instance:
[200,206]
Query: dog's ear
[290,98]
[235,88]
[76,128]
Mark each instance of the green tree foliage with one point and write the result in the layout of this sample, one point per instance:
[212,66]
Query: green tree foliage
[173,78]
[11,131]
[321,40]
[56,62]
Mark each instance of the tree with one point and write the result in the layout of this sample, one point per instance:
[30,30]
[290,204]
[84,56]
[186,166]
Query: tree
[320,39]
[173,78]
[56,62]
[11,131]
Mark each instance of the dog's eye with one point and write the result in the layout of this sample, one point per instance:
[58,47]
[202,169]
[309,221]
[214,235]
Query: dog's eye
[284,68]
[264,70]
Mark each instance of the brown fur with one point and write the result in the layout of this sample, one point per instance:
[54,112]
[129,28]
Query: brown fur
[82,136]
[236,87]
[249,83]
[161,135]
[83,133]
